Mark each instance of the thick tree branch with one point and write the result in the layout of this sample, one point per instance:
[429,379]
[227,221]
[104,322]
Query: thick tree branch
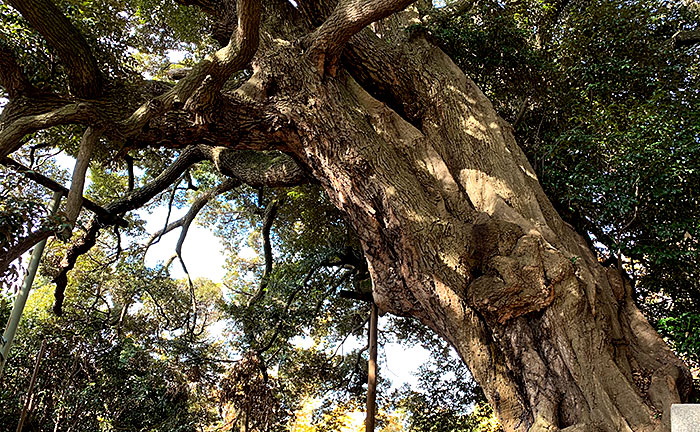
[179,73]
[347,19]
[74,202]
[142,195]
[206,78]
[258,169]
[686,38]
[386,72]
[11,137]
[236,121]
[80,64]
[37,110]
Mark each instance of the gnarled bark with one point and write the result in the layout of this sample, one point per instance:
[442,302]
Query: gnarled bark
[459,234]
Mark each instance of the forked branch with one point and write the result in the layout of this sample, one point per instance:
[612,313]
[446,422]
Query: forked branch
[347,19]
[277,168]
[131,201]
[268,219]
[195,208]
[207,77]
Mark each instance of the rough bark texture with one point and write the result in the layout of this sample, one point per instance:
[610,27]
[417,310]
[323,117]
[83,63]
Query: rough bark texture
[459,234]
[455,227]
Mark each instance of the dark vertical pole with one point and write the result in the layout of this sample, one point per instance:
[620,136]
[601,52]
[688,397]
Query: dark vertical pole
[30,390]
[372,371]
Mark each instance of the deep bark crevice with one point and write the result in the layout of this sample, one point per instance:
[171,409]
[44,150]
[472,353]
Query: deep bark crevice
[506,265]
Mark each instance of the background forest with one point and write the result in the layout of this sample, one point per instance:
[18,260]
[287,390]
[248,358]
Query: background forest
[604,98]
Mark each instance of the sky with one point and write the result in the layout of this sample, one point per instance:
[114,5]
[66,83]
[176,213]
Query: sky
[203,254]
[202,251]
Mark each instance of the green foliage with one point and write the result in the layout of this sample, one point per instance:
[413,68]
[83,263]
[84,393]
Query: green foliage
[446,398]
[122,358]
[608,113]
[128,37]
[23,210]
[683,331]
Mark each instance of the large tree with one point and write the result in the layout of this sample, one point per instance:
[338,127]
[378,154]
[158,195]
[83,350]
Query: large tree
[454,225]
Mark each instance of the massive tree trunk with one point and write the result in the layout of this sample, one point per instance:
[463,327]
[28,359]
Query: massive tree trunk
[455,227]
[459,234]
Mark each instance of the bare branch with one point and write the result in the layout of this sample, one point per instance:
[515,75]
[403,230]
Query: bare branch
[686,38]
[195,208]
[352,332]
[198,204]
[130,171]
[347,19]
[521,112]
[80,64]
[268,219]
[131,201]
[171,200]
[254,168]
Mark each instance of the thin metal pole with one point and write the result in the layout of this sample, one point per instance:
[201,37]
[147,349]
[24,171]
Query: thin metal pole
[372,371]
[30,390]
[21,300]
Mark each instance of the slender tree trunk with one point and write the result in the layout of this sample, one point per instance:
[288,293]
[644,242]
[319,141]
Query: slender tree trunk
[459,234]
[372,370]
[30,390]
